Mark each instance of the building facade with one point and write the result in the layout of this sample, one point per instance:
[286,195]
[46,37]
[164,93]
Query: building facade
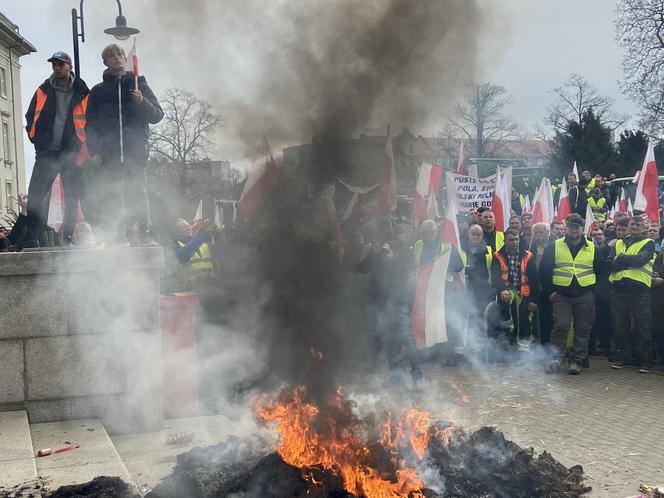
[12,162]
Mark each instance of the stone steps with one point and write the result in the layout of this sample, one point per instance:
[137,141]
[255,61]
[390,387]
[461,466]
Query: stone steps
[17,463]
[96,456]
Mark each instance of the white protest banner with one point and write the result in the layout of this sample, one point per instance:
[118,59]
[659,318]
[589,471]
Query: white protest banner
[470,192]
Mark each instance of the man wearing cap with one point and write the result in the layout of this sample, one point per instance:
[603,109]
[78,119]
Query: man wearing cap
[56,127]
[120,110]
[568,274]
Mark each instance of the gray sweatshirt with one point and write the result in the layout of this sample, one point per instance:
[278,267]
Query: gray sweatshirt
[63,96]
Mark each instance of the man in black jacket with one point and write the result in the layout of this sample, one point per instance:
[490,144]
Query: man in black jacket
[631,263]
[120,110]
[55,125]
[568,273]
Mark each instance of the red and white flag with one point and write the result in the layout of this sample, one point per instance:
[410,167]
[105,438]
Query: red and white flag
[428,184]
[450,230]
[575,171]
[543,203]
[56,207]
[387,197]
[432,207]
[262,178]
[590,221]
[428,315]
[352,209]
[622,203]
[197,224]
[527,208]
[131,65]
[630,209]
[461,164]
[564,207]
[646,190]
[500,201]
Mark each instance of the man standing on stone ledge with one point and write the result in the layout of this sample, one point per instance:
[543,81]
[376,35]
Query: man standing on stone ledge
[56,127]
[120,110]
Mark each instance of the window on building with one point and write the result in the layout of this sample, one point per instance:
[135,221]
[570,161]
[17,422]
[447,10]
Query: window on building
[3,81]
[8,195]
[5,141]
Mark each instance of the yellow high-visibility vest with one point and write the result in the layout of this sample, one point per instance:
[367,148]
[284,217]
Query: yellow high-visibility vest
[565,267]
[643,274]
[200,264]
[596,207]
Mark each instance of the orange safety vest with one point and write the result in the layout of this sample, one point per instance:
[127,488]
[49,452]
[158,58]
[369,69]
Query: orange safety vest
[78,117]
[524,290]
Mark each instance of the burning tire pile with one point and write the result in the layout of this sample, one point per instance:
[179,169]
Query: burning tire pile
[325,451]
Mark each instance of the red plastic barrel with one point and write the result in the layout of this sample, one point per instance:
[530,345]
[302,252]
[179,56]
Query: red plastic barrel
[179,361]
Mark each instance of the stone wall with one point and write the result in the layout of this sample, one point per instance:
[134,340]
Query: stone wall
[80,336]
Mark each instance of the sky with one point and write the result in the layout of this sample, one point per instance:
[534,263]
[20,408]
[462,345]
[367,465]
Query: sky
[530,47]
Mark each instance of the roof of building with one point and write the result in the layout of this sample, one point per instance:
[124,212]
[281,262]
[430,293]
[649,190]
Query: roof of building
[10,37]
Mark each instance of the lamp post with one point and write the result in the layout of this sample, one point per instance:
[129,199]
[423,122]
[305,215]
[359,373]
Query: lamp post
[120,31]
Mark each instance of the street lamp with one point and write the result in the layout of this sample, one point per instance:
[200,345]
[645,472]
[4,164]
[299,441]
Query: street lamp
[120,31]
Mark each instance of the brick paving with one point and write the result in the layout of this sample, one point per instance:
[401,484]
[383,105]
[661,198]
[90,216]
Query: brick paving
[609,421]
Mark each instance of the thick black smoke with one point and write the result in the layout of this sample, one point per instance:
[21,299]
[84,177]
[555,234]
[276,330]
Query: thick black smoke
[301,69]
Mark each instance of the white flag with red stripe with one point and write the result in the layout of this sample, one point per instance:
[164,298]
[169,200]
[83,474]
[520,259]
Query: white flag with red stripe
[428,314]
[461,163]
[500,202]
[622,203]
[56,207]
[262,178]
[527,208]
[590,221]
[646,198]
[564,207]
[450,230]
[428,183]
[197,224]
[543,203]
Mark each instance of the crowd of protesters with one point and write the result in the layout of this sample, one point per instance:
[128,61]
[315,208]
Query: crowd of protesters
[550,292]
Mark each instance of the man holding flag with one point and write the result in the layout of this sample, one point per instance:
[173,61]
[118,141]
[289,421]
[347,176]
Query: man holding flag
[120,110]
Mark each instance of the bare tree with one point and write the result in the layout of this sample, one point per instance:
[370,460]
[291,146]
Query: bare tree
[185,135]
[574,98]
[481,119]
[640,32]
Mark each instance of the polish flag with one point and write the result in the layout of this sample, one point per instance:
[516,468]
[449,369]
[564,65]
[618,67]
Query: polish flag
[450,228]
[590,221]
[197,224]
[543,203]
[630,209]
[262,179]
[646,190]
[432,206]
[575,171]
[461,165]
[499,203]
[132,63]
[387,197]
[428,183]
[353,207]
[564,208]
[622,203]
[56,206]
[527,208]
[428,314]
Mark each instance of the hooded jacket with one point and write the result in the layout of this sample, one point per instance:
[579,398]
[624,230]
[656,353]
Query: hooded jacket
[43,136]
[103,118]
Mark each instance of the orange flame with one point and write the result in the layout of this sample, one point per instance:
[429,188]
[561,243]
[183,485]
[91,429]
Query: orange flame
[327,438]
